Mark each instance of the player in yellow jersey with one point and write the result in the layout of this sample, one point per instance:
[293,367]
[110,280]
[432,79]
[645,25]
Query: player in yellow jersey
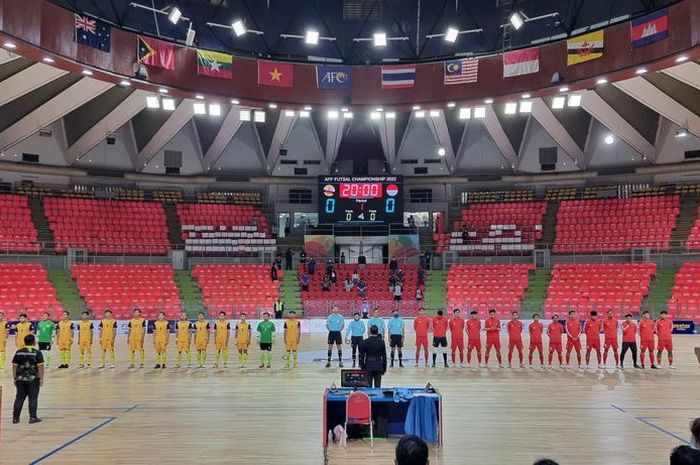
[108,334]
[292,335]
[4,326]
[242,340]
[137,332]
[222,331]
[85,330]
[183,338]
[201,339]
[161,335]
[64,338]
[23,328]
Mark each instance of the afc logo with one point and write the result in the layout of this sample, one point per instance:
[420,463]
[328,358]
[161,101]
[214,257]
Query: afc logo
[335,77]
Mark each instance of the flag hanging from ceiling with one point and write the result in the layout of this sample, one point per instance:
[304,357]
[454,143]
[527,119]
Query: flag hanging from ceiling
[398,76]
[464,71]
[156,53]
[521,62]
[275,74]
[649,29]
[333,77]
[584,48]
[214,64]
[92,32]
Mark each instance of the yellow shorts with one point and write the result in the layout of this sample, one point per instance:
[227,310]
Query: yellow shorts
[84,347]
[3,346]
[64,345]
[293,347]
[107,345]
[160,346]
[136,346]
[221,346]
[183,346]
[242,346]
[200,346]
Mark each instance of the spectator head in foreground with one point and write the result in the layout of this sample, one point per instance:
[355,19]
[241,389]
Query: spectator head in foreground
[685,455]
[695,433]
[545,462]
[411,450]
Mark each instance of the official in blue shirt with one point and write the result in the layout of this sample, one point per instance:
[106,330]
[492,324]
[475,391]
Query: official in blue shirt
[377,321]
[354,335]
[334,324]
[396,333]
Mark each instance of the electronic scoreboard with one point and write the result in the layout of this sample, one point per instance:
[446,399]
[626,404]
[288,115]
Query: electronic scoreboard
[364,199]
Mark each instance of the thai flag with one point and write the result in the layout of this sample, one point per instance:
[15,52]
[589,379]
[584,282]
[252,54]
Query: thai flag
[398,76]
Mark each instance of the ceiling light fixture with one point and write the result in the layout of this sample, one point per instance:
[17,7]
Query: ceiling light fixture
[563,89]
[272,105]
[525,96]
[420,114]
[511,108]
[163,91]
[238,28]
[517,20]
[87,72]
[526,106]
[609,139]
[259,116]
[465,113]
[682,58]
[347,115]
[574,100]
[451,105]
[307,108]
[168,104]
[380,39]
[191,33]
[375,115]
[235,102]
[451,35]
[48,60]
[601,81]
[199,97]
[304,113]
[152,101]
[390,115]
[558,103]
[312,37]
[9,45]
[289,113]
[124,83]
[174,15]
[682,132]
[416,107]
[244,115]
[640,71]
[441,151]
[480,112]
[214,109]
[333,114]
[200,108]
[488,101]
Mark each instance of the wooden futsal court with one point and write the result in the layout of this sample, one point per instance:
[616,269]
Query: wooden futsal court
[492,417]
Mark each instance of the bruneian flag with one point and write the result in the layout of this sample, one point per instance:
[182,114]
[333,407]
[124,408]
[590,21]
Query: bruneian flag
[154,52]
[214,64]
[584,48]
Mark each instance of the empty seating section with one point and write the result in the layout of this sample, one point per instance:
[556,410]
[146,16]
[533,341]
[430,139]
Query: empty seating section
[619,287]
[557,194]
[616,225]
[25,288]
[17,231]
[684,303]
[482,287]
[693,242]
[168,196]
[238,198]
[215,229]
[317,302]
[123,288]
[237,288]
[523,195]
[129,194]
[109,227]
[498,228]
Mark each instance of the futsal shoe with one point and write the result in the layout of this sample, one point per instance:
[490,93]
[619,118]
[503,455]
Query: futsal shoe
[601,366]
[81,366]
[500,365]
[111,367]
[162,367]
[416,365]
[340,364]
[131,365]
[157,367]
[177,367]
[469,365]
[15,420]
[35,420]
[268,366]
[585,367]
[636,366]
[328,364]
[100,367]
[295,365]
[400,364]
[391,365]
[522,365]
[654,367]
[140,366]
[216,365]
[262,366]
[671,367]
[483,365]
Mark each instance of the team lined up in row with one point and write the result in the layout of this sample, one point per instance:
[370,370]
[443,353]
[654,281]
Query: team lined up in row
[652,334]
[63,334]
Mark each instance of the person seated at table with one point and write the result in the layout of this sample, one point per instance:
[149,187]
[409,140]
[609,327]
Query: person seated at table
[305,279]
[348,285]
[411,450]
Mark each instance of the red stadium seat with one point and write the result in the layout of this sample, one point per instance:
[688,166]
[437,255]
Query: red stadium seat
[684,303]
[123,288]
[17,231]
[25,287]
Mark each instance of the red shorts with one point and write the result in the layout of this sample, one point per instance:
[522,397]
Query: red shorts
[665,345]
[535,346]
[474,344]
[515,345]
[573,344]
[457,344]
[555,346]
[610,343]
[493,341]
[593,344]
[421,341]
[647,345]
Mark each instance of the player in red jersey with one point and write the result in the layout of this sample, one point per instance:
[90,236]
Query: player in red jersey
[573,338]
[440,337]
[646,338]
[555,331]
[492,326]
[592,330]
[515,338]
[664,330]
[421,325]
[610,326]
[629,340]
[535,329]
[473,337]
[457,333]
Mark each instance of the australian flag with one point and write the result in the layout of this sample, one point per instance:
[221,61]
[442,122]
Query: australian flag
[93,32]
[333,77]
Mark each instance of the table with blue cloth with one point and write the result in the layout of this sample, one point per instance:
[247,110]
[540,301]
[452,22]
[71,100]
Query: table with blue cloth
[396,411]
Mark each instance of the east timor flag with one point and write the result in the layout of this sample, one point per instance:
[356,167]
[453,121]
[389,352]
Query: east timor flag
[276,74]
[214,64]
[154,52]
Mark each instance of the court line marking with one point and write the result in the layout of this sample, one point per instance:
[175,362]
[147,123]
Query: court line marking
[131,408]
[618,408]
[646,421]
[72,441]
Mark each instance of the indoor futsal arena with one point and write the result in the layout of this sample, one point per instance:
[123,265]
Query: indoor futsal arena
[330,232]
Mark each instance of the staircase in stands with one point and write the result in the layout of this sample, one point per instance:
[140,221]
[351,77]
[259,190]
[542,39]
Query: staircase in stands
[435,290]
[660,290]
[173,222]
[536,293]
[684,222]
[45,236]
[67,292]
[290,292]
[549,223]
[190,294]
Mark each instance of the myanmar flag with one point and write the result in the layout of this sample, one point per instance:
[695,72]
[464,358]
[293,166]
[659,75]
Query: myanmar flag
[276,74]
[214,64]
[156,53]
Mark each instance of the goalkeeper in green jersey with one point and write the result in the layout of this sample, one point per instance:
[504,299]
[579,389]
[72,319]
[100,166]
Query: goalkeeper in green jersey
[45,330]
[266,336]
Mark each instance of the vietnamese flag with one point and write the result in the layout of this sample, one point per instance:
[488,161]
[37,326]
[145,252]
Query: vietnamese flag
[275,74]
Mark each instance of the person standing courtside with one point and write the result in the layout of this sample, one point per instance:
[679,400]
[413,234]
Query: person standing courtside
[335,324]
[354,336]
[373,357]
[377,321]
[28,375]
[396,334]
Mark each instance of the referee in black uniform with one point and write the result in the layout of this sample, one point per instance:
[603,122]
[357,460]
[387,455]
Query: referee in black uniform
[28,374]
[373,356]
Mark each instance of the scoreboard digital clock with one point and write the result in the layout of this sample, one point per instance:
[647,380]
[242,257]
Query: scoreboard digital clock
[363,199]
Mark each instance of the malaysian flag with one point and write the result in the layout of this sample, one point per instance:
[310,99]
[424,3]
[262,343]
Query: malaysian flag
[398,76]
[92,32]
[462,71]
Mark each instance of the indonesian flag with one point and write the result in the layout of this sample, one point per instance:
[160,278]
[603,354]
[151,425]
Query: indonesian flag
[521,62]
